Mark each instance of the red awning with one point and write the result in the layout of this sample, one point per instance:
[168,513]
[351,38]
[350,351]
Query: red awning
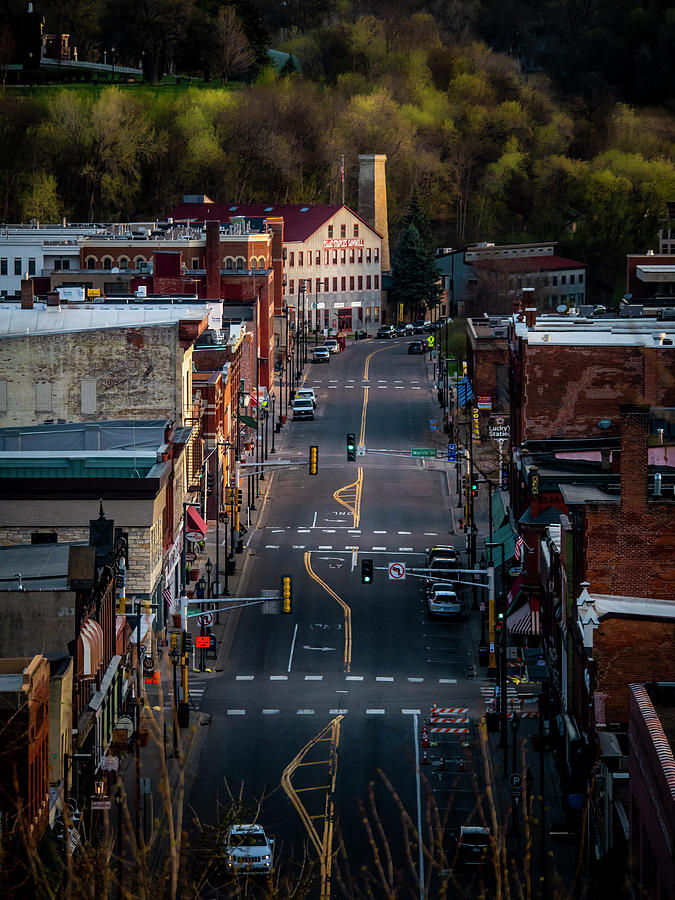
[525,620]
[514,591]
[194,522]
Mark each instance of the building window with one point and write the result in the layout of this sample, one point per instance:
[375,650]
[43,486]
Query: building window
[367,254]
[360,257]
[351,282]
[580,298]
[90,262]
[240,263]
[368,282]
[343,257]
[31,267]
[291,258]
[325,285]
[563,279]
[343,231]
[343,283]
[300,257]
[229,263]
[360,283]
[335,257]
[291,286]
[368,317]
[88,395]
[17,265]
[43,537]
[554,281]
[317,258]
[356,229]
[335,284]
[326,257]
[308,285]
[351,256]
[572,279]
[253,263]
[376,282]
[330,231]
[65,264]
[262,262]
[376,313]
[43,397]
[318,285]
[107,262]
[546,280]
[139,263]
[377,254]
[581,278]
[124,262]
[3,265]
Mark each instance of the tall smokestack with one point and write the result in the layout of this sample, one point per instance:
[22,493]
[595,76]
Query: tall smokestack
[373,198]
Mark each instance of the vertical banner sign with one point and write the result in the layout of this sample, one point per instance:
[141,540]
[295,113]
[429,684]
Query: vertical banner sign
[505,476]
[475,428]
[400,312]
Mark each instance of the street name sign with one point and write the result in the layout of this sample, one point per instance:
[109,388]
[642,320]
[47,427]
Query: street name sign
[423,451]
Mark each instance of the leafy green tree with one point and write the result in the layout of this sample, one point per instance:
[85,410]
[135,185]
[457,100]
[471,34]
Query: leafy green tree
[40,199]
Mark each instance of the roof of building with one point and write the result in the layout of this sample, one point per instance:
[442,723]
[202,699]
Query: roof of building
[37,567]
[123,434]
[599,606]
[300,221]
[523,264]
[556,330]
[655,702]
[17,322]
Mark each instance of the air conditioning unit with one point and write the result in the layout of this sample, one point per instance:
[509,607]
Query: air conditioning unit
[501,332]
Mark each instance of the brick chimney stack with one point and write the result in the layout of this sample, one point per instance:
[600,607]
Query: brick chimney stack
[373,198]
[531,316]
[27,296]
[634,457]
[213,260]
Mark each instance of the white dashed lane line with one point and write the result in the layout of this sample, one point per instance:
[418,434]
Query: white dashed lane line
[378,548]
[354,678]
[271,546]
[325,546]
[374,712]
[305,712]
[236,712]
[383,678]
[270,712]
[313,677]
[278,677]
[244,677]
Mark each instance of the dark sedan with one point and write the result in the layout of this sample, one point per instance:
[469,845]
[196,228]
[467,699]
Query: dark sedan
[416,347]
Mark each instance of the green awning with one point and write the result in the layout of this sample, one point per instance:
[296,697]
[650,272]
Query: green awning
[498,511]
[506,536]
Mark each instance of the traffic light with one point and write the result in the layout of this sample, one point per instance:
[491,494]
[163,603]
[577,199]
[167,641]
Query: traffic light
[286,594]
[210,484]
[313,460]
[474,487]
[351,447]
[186,642]
[500,613]
[366,571]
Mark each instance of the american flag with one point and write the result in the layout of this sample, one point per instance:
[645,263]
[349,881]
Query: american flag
[166,594]
[519,546]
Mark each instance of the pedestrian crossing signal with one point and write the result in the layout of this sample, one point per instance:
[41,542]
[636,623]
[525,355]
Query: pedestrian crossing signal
[366,571]
[313,460]
[351,447]
[286,594]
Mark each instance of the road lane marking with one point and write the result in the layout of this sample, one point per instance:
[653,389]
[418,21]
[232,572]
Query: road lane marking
[236,712]
[416,680]
[279,677]
[299,546]
[290,657]
[337,712]
[384,678]
[379,532]
[346,609]
[405,549]
[270,712]
[410,712]
[271,546]
[305,712]
[354,678]
[430,534]
[245,677]
[328,531]
[418,785]
[304,530]
[405,532]
[325,546]
[313,677]
[378,548]
[447,681]
[374,712]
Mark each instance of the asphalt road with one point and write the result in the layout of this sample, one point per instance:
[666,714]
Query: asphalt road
[317,716]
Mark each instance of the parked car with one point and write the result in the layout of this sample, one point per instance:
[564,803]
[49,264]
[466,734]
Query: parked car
[306,393]
[400,330]
[418,326]
[473,845]
[303,409]
[446,550]
[444,602]
[332,345]
[248,850]
[418,347]
[442,567]
[321,355]
[386,331]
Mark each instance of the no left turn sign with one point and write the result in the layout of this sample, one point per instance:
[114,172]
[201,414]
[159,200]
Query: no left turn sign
[396,571]
[205,619]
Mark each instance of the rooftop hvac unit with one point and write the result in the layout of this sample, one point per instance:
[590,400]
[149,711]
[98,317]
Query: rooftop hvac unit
[631,311]
[667,314]
[500,332]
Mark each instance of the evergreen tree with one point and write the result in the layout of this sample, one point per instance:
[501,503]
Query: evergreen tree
[414,276]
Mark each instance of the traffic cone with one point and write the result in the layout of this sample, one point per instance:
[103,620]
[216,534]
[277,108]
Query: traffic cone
[425,738]
[441,764]
[461,765]
[433,709]
[425,761]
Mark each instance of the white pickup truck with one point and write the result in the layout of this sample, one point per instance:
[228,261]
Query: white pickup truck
[248,850]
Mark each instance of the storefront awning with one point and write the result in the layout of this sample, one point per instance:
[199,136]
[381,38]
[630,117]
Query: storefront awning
[514,592]
[506,536]
[194,522]
[525,620]
[91,646]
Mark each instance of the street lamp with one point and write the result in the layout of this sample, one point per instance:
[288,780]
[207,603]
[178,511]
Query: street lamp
[274,424]
[504,736]
[112,54]
[209,569]
[174,656]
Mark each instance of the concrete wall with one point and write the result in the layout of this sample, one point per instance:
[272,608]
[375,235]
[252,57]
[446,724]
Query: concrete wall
[132,373]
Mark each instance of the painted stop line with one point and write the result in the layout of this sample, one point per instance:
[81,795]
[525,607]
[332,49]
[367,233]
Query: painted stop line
[397,571]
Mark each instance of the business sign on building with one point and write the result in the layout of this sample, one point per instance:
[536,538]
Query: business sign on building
[484,403]
[342,243]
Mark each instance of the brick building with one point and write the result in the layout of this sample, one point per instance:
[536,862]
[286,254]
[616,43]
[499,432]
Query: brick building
[650,279]
[652,789]
[24,773]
